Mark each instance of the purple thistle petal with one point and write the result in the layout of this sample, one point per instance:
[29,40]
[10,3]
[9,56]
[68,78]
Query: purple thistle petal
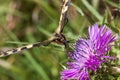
[70,74]
[84,75]
[102,38]
[89,54]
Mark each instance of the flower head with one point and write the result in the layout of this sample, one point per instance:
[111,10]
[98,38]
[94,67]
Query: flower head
[89,54]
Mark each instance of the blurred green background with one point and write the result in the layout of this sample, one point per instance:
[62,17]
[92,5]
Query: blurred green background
[28,21]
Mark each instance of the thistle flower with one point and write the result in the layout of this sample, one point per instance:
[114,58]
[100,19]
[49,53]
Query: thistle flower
[89,54]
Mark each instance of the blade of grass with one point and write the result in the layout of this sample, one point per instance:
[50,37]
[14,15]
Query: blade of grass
[44,31]
[16,42]
[78,9]
[36,66]
[46,8]
[92,10]
[113,4]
